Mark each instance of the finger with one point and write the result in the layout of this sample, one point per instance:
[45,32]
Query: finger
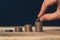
[38,15]
[48,17]
[42,18]
[45,17]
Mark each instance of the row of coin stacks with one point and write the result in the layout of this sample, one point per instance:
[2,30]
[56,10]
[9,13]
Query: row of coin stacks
[28,28]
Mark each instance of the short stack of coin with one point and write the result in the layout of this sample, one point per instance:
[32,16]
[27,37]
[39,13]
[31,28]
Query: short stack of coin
[18,29]
[28,28]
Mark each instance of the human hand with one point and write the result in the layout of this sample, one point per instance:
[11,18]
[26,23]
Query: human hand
[49,17]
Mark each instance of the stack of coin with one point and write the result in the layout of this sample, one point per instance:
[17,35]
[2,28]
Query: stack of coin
[28,28]
[38,26]
[18,29]
[8,30]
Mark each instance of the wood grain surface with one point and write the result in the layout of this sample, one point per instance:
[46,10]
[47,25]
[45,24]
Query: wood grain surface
[49,33]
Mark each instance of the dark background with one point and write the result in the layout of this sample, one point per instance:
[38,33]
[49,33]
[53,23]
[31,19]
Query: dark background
[21,12]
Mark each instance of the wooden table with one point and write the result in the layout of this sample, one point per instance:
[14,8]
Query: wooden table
[49,33]
[47,30]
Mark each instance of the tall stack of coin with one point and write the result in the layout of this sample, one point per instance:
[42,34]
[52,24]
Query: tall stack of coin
[28,28]
[38,26]
[18,29]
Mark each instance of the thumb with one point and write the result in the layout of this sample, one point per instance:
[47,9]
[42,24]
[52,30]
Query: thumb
[42,19]
[48,17]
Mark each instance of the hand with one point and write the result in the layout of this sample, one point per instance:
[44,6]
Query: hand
[49,17]
[44,7]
